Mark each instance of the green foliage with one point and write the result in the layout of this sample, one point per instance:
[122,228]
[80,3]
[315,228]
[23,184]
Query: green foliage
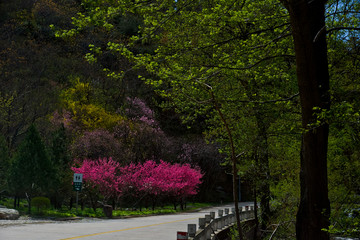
[344,140]
[60,148]
[58,214]
[61,158]
[86,114]
[34,66]
[31,168]
[346,220]
[223,63]
[40,203]
[4,164]
[197,54]
[122,213]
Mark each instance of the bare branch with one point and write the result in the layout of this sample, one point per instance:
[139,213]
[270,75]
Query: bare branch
[273,233]
[322,31]
[240,154]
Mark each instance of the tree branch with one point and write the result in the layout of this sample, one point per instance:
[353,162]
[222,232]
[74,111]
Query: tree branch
[322,31]
[273,233]
[270,101]
[253,65]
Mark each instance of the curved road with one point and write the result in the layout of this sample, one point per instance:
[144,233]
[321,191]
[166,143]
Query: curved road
[162,227]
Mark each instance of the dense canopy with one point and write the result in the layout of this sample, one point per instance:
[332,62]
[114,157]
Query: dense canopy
[152,98]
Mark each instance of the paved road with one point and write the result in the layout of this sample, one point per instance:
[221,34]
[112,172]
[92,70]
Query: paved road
[163,227]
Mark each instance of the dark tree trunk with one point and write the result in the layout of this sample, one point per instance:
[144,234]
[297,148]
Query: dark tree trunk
[234,168]
[28,198]
[71,203]
[113,204]
[15,201]
[262,161]
[308,21]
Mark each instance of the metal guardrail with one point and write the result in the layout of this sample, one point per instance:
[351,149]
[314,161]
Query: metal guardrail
[209,226]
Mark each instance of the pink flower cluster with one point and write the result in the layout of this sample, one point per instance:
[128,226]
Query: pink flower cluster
[161,178]
[139,108]
[101,174]
[150,178]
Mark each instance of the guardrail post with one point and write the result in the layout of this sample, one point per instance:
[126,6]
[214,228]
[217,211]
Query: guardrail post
[226,211]
[208,232]
[222,222]
[252,213]
[220,213]
[247,212]
[241,214]
[216,224]
[212,215]
[207,218]
[191,230]
[202,223]
[226,220]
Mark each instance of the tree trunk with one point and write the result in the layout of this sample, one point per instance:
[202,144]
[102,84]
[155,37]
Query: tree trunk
[262,162]
[71,203]
[234,168]
[28,198]
[15,199]
[308,21]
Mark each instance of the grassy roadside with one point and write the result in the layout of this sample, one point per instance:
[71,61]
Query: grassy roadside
[89,212]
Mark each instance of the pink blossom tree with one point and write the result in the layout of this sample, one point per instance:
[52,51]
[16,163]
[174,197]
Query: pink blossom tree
[139,182]
[100,177]
[178,181]
[153,180]
[149,180]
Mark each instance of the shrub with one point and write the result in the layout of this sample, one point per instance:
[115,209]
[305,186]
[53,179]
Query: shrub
[40,203]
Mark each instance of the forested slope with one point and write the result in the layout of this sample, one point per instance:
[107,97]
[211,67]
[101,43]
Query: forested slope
[216,84]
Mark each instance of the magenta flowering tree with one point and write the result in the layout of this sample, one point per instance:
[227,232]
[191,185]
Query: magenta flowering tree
[148,181]
[100,177]
[140,182]
[178,181]
[152,180]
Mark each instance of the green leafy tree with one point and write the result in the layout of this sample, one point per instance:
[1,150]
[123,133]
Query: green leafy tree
[211,56]
[31,170]
[4,164]
[32,65]
[61,159]
[308,24]
[82,111]
[343,117]
[205,64]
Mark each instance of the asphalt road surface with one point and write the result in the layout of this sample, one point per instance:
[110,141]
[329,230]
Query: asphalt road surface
[162,227]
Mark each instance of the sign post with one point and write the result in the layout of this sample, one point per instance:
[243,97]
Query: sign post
[77,185]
